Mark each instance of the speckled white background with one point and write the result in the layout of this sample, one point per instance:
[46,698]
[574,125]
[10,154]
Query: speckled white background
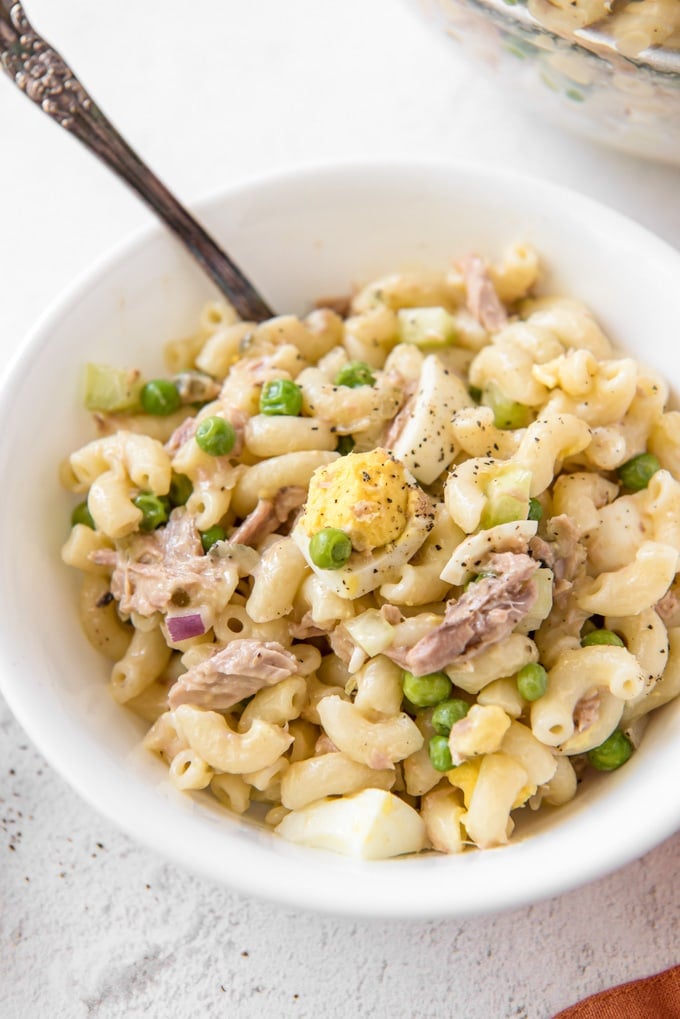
[92,925]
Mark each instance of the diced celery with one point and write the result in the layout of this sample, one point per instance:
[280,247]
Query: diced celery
[112,390]
[502,510]
[507,496]
[507,413]
[427,327]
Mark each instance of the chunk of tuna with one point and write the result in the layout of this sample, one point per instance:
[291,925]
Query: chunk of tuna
[149,569]
[485,614]
[268,515]
[236,671]
[482,300]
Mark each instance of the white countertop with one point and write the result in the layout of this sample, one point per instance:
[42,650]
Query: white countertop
[210,93]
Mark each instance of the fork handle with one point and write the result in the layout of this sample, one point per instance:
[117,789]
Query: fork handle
[42,74]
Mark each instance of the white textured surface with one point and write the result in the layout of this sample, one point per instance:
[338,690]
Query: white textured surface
[211,92]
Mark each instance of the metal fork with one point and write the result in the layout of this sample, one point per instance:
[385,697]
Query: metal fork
[42,74]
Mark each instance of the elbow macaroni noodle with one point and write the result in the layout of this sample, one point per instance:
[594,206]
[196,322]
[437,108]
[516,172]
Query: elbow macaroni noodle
[288,687]
[633,25]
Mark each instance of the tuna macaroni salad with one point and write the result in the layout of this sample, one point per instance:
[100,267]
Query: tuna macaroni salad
[634,25]
[391,574]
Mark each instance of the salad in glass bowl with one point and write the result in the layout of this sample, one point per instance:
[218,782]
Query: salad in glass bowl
[606,70]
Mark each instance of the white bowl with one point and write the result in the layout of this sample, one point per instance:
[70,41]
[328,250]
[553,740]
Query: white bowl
[300,235]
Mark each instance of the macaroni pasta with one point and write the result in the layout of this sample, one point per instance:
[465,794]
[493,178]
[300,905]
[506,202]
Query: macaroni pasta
[401,570]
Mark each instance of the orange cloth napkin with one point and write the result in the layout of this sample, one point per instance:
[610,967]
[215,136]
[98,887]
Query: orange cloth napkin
[656,997]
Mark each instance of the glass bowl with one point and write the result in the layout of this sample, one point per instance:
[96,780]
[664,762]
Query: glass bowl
[576,77]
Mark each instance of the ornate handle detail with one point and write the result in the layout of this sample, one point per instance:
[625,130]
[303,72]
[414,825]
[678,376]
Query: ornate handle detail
[37,69]
[41,73]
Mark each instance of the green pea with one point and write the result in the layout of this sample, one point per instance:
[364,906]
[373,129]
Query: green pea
[532,681]
[159,397]
[82,515]
[611,754]
[440,753]
[155,510]
[447,713]
[345,445]
[281,396]
[216,436]
[637,472]
[211,536]
[354,374]
[330,548]
[535,510]
[506,413]
[601,637]
[180,489]
[426,691]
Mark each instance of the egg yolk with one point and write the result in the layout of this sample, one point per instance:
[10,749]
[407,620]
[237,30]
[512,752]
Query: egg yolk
[363,494]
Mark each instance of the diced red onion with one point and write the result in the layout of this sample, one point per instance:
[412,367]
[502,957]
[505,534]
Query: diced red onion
[182,627]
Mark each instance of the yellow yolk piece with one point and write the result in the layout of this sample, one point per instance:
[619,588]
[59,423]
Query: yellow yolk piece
[465,776]
[366,495]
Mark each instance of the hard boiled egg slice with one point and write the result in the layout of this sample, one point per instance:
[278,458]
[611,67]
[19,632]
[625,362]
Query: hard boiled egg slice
[379,505]
[426,443]
[370,825]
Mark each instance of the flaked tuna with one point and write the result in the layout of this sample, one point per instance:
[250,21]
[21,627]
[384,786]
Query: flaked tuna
[236,671]
[485,614]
